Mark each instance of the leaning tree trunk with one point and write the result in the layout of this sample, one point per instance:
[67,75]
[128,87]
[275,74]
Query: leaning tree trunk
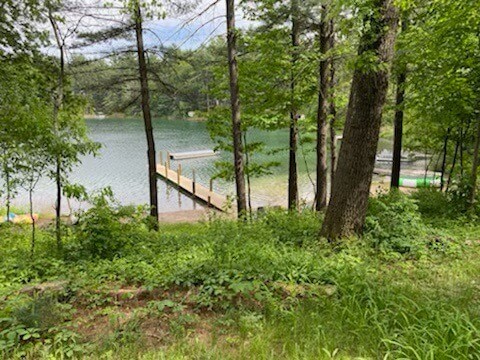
[235,106]
[147,118]
[348,205]
[322,113]
[292,166]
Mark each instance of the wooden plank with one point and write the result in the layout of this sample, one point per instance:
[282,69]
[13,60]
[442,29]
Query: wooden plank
[198,191]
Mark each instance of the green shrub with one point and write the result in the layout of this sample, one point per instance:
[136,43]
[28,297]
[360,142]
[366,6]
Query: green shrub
[394,223]
[107,230]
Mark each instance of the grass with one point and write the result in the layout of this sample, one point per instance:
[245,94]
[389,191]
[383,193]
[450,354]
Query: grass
[269,289]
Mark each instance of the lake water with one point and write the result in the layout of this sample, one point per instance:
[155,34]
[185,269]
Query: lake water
[122,165]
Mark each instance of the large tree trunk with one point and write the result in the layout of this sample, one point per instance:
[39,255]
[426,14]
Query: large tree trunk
[58,103]
[292,167]
[147,118]
[235,105]
[348,206]
[322,113]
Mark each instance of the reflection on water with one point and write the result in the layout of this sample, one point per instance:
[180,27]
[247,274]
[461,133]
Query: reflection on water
[122,164]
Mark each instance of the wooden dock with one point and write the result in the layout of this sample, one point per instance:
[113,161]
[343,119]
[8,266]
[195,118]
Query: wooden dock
[191,188]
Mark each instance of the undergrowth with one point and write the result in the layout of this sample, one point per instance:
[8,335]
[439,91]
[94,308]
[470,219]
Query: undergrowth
[265,289]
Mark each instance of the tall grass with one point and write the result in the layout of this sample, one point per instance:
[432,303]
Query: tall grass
[269,289]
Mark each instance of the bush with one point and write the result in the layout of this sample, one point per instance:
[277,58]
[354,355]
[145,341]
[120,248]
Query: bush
[393,223]
[431,202]
[108,230]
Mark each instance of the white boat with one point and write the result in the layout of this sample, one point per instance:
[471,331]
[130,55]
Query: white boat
[386,156]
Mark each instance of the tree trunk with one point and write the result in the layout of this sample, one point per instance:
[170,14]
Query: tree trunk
[32,248]
[398,123]
[292,167]
[8,185]
[147,118]
[444,160]
[348,206]
[475,164]
[398,131]
[322,114]
[332,110]
[235,106]
[247,174]
[454,162]
[56,109]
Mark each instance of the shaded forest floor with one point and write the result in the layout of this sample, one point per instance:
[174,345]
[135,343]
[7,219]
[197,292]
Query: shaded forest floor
[266,289]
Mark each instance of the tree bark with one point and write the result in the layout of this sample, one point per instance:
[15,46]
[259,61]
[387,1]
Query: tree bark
[444,160]
[58,103]
[30,198]
[322,113]
[332,110]
[398,123]
[147,118]
[247,175]
[398,131]
[292,167]
[454,162]
[475,164]
[235,106]
[348,206]
[8,185]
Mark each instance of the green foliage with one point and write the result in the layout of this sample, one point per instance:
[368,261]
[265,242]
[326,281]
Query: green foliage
[393,223]
[268,281]
[107,229]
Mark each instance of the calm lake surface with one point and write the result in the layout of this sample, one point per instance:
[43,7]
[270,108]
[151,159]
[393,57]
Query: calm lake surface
[122,165]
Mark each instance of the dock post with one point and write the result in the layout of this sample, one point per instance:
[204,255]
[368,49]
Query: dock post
[193,182]
[168,159]
[179,173]
[161,157]
[210,193]
[166,170]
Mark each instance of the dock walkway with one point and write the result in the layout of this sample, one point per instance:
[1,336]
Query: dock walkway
[192,188]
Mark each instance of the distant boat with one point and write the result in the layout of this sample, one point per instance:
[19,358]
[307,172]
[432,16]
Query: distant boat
[386,156]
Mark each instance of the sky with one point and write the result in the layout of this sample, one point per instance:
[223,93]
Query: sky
[189,30]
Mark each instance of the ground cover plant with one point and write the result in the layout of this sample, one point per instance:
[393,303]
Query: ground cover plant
[265,289]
